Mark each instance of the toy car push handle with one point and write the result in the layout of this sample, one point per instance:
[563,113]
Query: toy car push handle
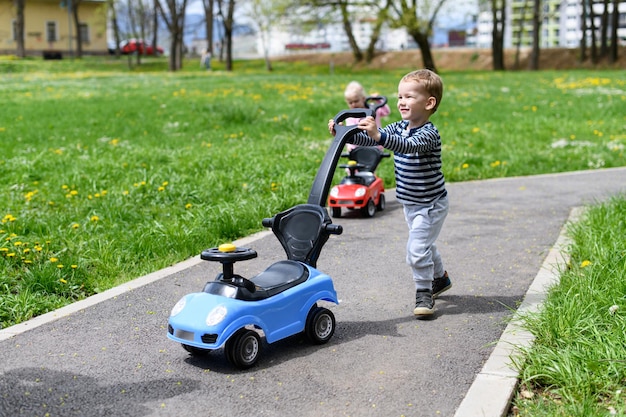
[375,102]
[324,177]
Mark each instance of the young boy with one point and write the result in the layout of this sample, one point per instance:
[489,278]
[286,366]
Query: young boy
[420,184]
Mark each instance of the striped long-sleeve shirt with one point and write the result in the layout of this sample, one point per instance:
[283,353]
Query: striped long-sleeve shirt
[417,158]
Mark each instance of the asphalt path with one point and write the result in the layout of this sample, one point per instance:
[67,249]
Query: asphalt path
[109,355]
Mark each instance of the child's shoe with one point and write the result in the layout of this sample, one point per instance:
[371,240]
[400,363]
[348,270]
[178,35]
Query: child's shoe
[424,304]
[441,284]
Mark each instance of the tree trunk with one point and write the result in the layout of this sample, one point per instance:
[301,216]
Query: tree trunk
[614,26]
[228,34]
[522,20]
[422,42]
[533,63]
[208,24]
[19,28]
[497,33]
[79,38]
[594,46]
[347,27]
[583,28]
[381,18]
[175,21]
[604,30]
[155,30]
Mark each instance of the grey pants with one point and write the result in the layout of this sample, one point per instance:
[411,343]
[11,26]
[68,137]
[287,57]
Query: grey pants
[425,223]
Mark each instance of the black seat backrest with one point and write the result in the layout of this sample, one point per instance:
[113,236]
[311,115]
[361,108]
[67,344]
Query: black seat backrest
[368,156]
[301,231]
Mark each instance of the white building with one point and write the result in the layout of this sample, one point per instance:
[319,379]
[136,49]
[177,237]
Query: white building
[561,23]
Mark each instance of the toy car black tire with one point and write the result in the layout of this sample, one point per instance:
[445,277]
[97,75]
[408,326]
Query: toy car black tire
[243,348]
[335,212]
[370,209]
[381,203]
[320,325]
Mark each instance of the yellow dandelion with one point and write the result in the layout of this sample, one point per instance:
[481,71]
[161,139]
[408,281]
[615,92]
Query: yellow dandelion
[75,225]
[11,255]
[165,183]
[475,129]
[465,165]
[161,188]
[585,263]
[74,266]
[188,206]
[60,266]
[125,192]
[62,281]
[54,260]
[94,218]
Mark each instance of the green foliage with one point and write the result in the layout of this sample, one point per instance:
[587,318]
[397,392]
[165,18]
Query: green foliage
[577,364]
[110,172]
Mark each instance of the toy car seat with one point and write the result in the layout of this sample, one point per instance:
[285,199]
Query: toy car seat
[368,156]
[302,231]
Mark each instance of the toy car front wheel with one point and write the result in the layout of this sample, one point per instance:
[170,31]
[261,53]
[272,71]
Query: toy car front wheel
[320,325]
[335,212]
[381,202]
[370,209]
[243,348]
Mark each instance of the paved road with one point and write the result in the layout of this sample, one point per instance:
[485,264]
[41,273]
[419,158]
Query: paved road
[109,355]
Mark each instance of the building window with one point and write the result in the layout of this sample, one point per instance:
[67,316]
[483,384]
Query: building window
[51,31]
[84,32]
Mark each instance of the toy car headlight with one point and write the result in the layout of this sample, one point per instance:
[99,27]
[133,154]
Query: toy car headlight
[334,192]
[360,192]
[216,315]
[180,305]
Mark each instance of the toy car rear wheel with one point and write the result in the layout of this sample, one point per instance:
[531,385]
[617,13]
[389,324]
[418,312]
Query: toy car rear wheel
[335,212]
[320,325]
[195,351]
[370,209]
[243,348]
[381,203]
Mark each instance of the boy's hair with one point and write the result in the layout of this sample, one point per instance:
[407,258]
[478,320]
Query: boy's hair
[354,89]
[431,82]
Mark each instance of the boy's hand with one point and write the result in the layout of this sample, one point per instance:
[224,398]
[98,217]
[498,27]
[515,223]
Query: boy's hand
[369,125]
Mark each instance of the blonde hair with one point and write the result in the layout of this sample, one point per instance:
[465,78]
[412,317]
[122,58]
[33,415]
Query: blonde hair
[430,80]
[355,89]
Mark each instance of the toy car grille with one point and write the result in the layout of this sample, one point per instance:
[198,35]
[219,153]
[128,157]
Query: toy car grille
[183,334]
[209,338]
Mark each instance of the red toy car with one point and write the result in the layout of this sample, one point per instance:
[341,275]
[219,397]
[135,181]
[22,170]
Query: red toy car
[131,46]
[361,189]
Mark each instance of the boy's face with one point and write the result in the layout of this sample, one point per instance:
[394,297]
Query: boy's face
[355,101]
[414,103]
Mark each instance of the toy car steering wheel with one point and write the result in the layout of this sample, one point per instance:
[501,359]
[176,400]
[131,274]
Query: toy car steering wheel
[227,254]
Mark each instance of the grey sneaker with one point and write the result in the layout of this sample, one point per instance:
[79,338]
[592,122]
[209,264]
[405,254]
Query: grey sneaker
[441,284]
[424,304]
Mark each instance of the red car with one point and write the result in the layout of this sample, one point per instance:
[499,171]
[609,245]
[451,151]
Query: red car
[361,189]
[131,46]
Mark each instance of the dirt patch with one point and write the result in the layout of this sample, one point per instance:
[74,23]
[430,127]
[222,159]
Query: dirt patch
[461,59]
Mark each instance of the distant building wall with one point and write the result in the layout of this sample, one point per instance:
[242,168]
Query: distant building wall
[47,28]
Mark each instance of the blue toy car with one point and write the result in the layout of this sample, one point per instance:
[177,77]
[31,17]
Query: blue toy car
[233,312]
